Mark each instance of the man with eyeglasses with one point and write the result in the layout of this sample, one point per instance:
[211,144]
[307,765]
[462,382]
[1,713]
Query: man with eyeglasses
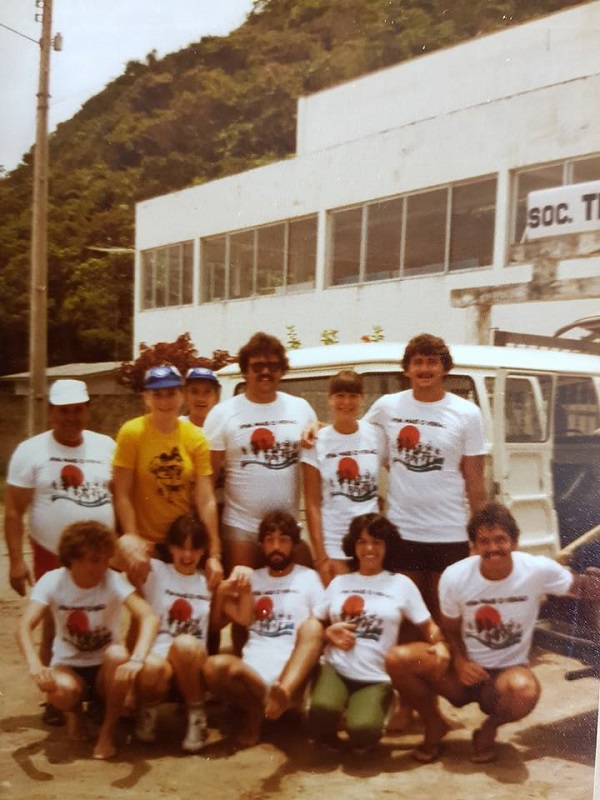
[256,437]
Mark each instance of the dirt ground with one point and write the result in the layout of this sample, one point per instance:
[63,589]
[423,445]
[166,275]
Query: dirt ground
[549,755]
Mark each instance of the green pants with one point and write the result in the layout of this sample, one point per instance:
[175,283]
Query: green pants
[366,706]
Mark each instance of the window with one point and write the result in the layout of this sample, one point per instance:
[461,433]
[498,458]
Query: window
[259,261]
[241,264]
[346,234]
[167,276]
[526,408]
[270,253]
[546,177]
[384,235]
[426,232]
[576,411]
[530,181]
[472,224]
[302,253]
[586,169]
[213,269]
[429,232]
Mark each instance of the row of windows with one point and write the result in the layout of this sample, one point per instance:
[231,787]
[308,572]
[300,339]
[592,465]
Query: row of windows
[441,230]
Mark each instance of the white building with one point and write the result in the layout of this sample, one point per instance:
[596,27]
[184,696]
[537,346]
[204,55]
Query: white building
[403,206]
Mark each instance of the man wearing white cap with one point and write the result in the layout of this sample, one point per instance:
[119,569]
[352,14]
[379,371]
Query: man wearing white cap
[60,476]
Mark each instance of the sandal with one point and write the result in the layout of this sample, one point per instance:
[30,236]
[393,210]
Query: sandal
[427,753]
[52,716]
[483,753]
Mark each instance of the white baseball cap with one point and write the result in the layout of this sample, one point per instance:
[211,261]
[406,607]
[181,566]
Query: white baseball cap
[68,392]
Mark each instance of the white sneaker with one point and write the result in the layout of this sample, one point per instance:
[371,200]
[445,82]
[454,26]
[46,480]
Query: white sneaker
[196,734]
[145,723]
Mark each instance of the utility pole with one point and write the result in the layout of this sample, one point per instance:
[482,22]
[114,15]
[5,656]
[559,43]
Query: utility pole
[38,305]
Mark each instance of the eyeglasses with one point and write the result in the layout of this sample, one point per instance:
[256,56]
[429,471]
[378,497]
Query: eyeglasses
[259,366]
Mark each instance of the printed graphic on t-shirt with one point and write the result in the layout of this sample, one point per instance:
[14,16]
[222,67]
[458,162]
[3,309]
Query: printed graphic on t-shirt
[414,452]
[73,487]
[268,622]
[80,634]
[350,483]
[366,626]
[265,449]
[180,617]
[167,469]
[491,630]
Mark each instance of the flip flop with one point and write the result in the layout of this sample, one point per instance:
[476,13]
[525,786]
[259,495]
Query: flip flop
[484,756]
[427,754]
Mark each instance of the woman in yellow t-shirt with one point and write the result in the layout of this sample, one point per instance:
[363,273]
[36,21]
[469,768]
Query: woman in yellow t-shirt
[162,470]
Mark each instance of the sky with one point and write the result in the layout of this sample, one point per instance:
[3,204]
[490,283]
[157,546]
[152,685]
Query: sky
[99,38]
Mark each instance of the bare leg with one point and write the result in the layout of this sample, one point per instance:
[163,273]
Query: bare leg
[67,697]
[508,697]
[303,555]
[114,694]
[228,677]
[47,637]
[411,668]
[245,553]
[305,655]
[427,583]
[187,657]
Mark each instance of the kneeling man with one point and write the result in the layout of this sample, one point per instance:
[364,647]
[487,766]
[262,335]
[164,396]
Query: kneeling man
[490,603]
[284,638]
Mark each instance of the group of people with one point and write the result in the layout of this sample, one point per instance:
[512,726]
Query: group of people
[428,600]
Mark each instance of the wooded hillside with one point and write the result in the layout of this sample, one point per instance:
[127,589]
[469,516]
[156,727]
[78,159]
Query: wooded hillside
[217,107]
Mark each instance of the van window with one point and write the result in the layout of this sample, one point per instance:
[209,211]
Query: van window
[576,410]
[526,406]
[376,384]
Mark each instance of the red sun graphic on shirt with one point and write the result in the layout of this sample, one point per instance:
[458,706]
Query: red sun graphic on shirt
[353,606]
[180,611]
[408,437]
[78,623]
[487,618]
[263,608]
[71,476]
[347,469]
[262,439]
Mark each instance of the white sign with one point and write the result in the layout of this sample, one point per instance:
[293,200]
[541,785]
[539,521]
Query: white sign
[564,209]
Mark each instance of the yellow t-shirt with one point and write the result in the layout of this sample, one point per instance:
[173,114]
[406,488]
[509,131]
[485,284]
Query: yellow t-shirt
[164,466]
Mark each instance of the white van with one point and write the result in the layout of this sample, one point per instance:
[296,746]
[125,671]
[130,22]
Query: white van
[541,410]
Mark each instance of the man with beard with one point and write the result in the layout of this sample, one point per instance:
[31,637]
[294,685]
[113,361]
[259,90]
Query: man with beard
[489,603]
[255,437]
[284,638]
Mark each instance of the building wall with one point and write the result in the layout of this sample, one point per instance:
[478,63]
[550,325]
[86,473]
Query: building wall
[519,98]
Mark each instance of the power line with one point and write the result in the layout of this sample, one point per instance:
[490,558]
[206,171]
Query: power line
[24,35]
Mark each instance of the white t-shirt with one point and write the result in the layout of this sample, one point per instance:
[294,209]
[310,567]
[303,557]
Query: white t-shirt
[182,602]
[262,452]
[71,484]
[498,617]
[349,465]
[87,621]
[427,442]
[376,604]
[281,605]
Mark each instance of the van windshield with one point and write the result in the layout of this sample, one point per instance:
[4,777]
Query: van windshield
[314,390]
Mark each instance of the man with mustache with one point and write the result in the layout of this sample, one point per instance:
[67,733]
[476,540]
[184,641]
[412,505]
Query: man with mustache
[436,451]
[490,603]
[255,436]
[284,638]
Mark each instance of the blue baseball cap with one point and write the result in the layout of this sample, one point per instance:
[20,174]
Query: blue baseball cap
[201,374]
[164,377]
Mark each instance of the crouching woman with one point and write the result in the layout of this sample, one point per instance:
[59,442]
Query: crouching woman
[363,611]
